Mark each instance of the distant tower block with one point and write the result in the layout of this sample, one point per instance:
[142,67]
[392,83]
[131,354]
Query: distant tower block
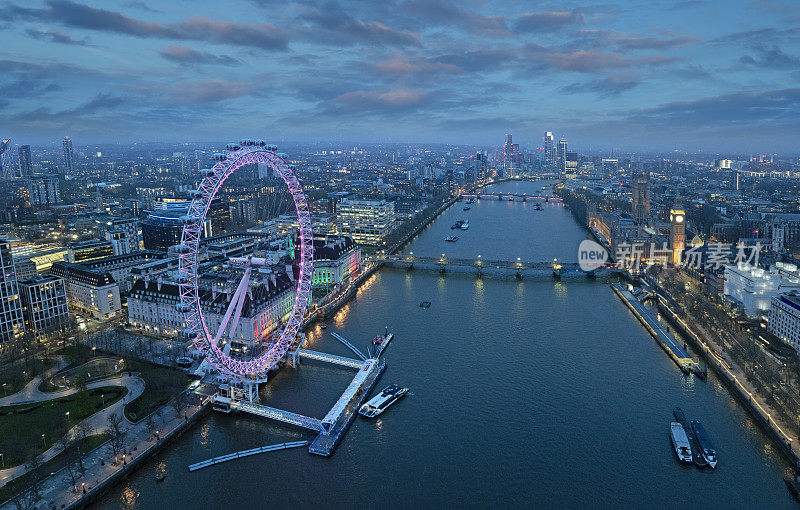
[677,219]
[640,199]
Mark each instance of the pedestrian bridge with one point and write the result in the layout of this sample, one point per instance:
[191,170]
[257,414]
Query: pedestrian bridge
[330,358]
[298,420]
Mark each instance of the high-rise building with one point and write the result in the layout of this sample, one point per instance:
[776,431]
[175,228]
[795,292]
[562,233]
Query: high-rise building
[640,197]
[12,325]
[366,221]
[43,190]
[69,155]
[481,166]
[561,155]
[677,219]
[510,153]
[549,151]
[44,306]
[25,163]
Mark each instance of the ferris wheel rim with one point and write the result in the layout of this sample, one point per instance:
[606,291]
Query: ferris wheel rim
[240,155]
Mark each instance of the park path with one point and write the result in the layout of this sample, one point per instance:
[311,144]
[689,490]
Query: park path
[97,421]
[31,390]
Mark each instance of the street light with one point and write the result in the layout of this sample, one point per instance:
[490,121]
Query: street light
[44,444]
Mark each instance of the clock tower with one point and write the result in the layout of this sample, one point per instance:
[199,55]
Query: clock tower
[677,220]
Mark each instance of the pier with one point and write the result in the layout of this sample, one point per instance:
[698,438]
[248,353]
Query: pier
[246,453]
[341,415]
[670,346]
[273,413]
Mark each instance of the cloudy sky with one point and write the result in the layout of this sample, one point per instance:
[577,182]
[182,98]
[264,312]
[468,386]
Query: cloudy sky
[696,74]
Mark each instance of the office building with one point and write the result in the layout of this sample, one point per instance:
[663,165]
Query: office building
[44,306]
[366,221]
[12,324]
[751,289]
[561,155]
[69,156]
[93,292]
[84,251]
[25,162]
[123,233]
[784,319]
[640,197]
[549,151]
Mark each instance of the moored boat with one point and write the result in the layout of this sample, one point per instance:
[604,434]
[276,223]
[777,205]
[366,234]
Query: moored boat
[704,443]
[378,404]
[680,442]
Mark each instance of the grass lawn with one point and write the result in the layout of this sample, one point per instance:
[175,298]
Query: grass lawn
[97,368]
[161,384]
[15,376]
[19,484]
[22,426]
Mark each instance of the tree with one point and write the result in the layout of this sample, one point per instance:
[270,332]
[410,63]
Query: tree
[117,443]
[150,422]
[178,403]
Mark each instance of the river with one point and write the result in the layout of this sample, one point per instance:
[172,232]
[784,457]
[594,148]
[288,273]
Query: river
[523,393]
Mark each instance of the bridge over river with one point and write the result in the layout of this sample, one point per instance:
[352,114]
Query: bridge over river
[480,266]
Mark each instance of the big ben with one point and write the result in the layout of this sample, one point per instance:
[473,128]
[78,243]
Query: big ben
[677,219]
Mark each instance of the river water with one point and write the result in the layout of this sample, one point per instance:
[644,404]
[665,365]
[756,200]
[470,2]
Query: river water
[523,393]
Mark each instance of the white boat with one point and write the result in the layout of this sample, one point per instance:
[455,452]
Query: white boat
[680,442]
[378,404]
[465,225]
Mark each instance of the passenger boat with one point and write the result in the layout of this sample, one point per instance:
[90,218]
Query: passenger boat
[457,225]
[465,225]
[467,208]
[704,443]
[378,404]
[451,239]
[424,304]
[680,443]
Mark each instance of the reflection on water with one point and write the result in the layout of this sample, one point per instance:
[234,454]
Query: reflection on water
[128,498]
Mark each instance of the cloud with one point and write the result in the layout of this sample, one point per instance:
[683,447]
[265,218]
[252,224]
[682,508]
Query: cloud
[66,12]
[584,61]
[771,58]
[605,87]
[442,13]
[399,65]
[331,24]
[210,91]
[187,56]
[55,36]
[548,21]
[401,99]
[479,60]
[734,108]
[139,5]
[654,43]
[98,104]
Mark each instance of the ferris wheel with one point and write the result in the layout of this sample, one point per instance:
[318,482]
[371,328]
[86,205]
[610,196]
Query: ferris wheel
[213,341]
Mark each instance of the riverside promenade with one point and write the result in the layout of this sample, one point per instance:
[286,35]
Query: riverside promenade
[56,491]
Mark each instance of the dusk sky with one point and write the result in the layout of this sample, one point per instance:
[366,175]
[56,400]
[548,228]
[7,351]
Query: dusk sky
[696,75]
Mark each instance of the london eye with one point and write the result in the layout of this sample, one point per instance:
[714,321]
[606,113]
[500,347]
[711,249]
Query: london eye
[214,337]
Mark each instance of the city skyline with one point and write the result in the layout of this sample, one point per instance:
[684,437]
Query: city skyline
[406,72]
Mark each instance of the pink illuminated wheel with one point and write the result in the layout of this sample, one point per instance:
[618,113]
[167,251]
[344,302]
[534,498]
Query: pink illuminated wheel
[236,156]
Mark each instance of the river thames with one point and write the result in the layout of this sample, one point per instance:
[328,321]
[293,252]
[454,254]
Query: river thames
[523,393]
